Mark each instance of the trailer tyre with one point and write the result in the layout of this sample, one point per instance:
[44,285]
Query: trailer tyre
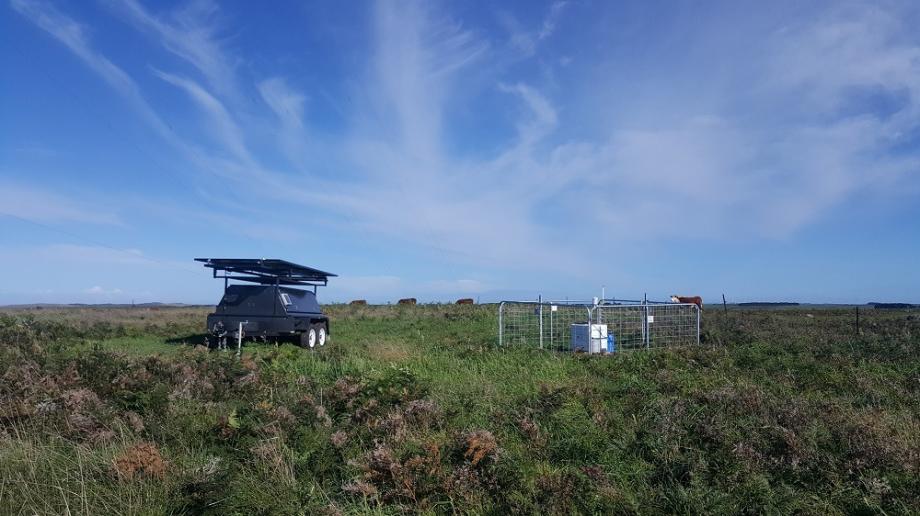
[320,333]
[308,338]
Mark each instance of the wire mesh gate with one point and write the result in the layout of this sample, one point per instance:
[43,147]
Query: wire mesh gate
[630,324]
[543,324]
[650,325]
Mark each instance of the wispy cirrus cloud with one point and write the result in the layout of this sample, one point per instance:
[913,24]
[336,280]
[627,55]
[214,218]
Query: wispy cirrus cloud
[286,103]
[389,289]
[64,258]
[100,291]
[72,34]
[191,33]
[552,18]
[288,106]
[44,206]
[88,273]
[221,121]
[417,56]
[524,40]
[719,152]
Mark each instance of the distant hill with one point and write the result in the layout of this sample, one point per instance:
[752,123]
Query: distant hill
[41,306]
[891,306]
[769,303]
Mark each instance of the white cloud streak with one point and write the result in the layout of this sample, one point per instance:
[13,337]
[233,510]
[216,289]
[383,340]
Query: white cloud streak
[71,267]
[286,103]
[526,42]
[288,106]
[549,23]
[72,35]
[389,289]
[191,34]
[222,122]
[688,167]
[99,291]
[417,56]
[43,206]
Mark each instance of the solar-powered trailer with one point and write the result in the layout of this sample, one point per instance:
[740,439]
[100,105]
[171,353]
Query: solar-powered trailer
[268,306]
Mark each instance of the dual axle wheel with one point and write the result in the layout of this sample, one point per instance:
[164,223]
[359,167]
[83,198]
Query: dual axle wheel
[315,335]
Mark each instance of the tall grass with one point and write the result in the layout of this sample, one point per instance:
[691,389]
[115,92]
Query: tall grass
[414,409]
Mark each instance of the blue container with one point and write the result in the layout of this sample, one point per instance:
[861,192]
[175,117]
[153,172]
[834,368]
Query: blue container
[611,343]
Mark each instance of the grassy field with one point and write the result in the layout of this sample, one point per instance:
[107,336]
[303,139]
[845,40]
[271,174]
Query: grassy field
[414,409]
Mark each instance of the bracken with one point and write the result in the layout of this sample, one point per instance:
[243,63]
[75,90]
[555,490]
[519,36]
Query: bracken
[480,446]
[142,459]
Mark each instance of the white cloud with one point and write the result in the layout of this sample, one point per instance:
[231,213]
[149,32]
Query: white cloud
[676,162]
[544,118]
[71,34]
[417,56]
[221,120]
[377,288]
[239,164]
[288,106]
[250,222]
[457,287]
[83,255]
[552,18]
[69,268]
[40,205]
[826,61]
[99,291]
[192,34]
[286,103]
[526,41]
[389,289]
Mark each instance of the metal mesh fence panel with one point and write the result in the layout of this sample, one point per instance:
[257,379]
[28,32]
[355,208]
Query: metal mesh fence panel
[545,325]
[625,322]
[673,325]
[631,325]
[650,325]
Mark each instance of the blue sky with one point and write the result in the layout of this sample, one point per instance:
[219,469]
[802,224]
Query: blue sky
[770,151]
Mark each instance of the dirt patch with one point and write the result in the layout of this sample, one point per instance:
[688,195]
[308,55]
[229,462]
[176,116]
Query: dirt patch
[142,459]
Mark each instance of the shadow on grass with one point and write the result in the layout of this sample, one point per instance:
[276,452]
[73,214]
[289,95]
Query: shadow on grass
[204,339]
[193,339]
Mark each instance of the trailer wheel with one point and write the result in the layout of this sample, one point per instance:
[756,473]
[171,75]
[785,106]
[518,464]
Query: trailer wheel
[308,338]
[320,333]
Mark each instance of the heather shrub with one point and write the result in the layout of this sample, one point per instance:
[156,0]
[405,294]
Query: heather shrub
[413,409]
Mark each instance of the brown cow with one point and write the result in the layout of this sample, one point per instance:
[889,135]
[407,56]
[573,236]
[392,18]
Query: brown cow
[359,302]
[696,300]
[465,301]
[407,301]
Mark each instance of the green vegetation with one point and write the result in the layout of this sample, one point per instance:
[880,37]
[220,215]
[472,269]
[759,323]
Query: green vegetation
[414,409]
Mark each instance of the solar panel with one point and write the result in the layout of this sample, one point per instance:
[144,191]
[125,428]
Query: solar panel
[267,271]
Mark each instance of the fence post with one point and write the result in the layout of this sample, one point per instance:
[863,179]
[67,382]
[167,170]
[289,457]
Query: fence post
[540,304]
[724,306]
[648,326]
[857,321]
[239,340]
[697,324]
[501,325]
[645,327]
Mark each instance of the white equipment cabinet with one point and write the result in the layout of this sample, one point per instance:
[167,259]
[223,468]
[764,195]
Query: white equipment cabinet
[589,338]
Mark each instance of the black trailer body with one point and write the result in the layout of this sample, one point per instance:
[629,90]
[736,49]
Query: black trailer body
[272,308]
[267,311]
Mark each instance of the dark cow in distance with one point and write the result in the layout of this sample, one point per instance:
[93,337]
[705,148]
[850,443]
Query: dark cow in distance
[407,301]
[465,301]
[696,300]
[359,302]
